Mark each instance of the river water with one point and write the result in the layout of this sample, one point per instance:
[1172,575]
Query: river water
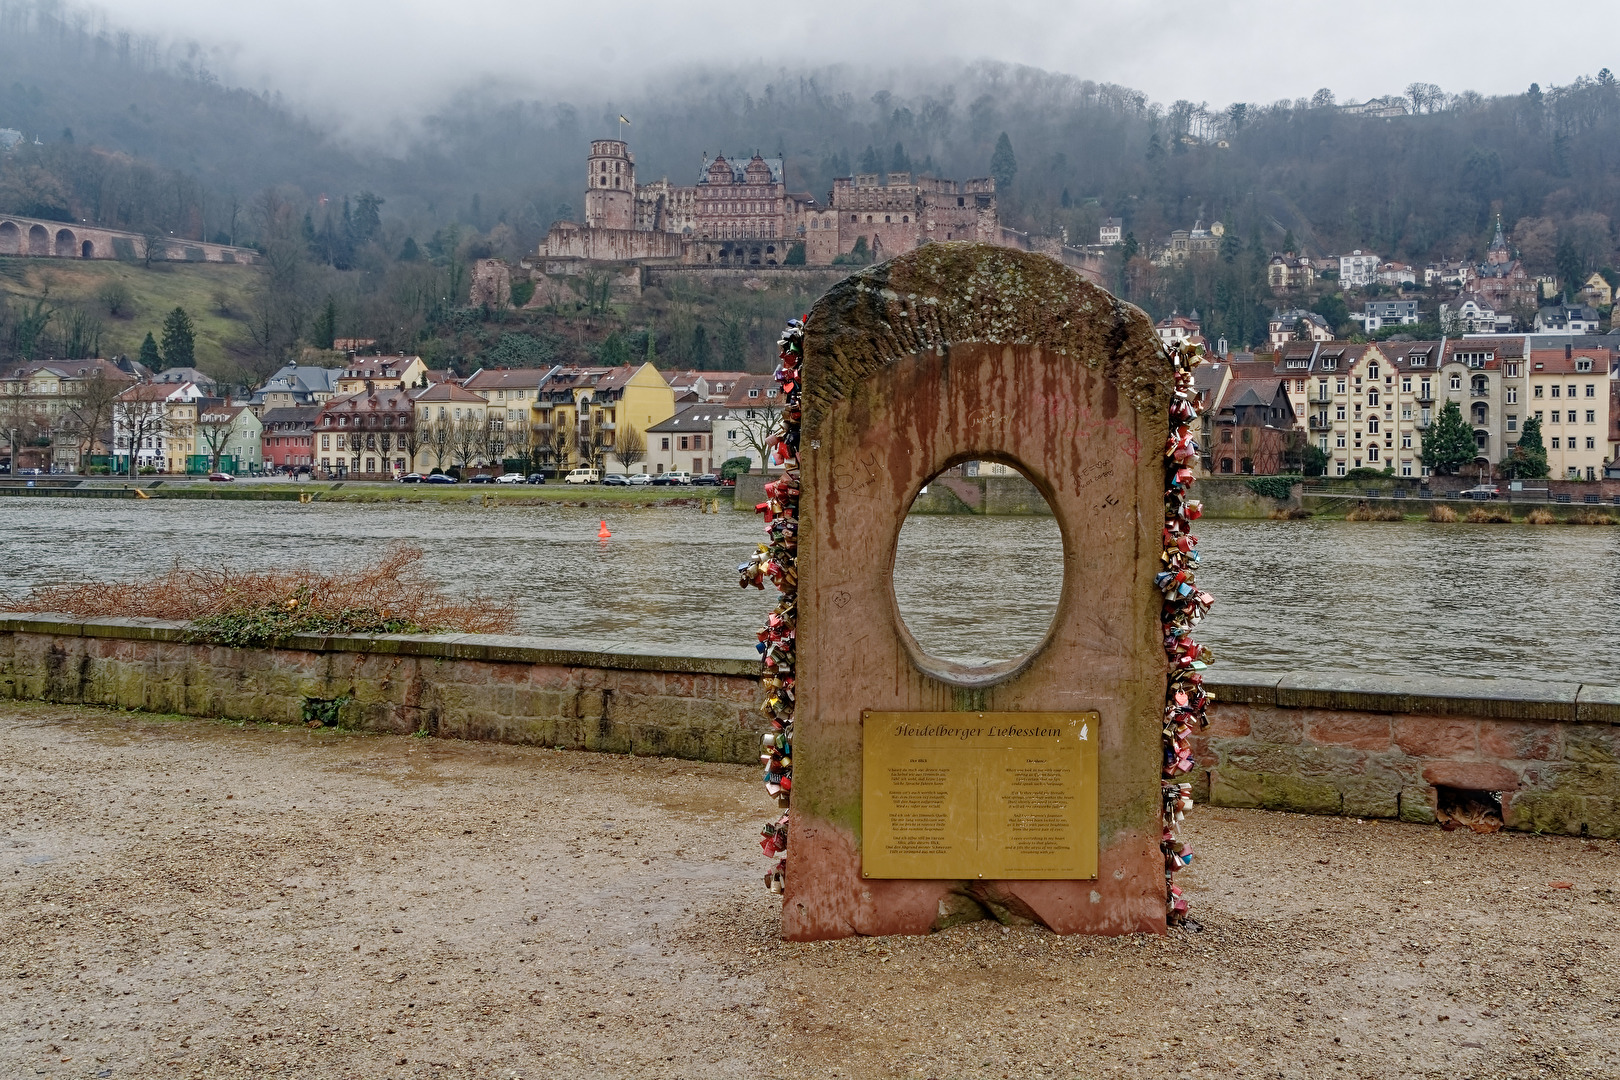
[1488,601]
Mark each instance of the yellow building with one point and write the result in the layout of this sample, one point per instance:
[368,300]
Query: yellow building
[451,428]
[584,415]
[381,373]
[1569,394]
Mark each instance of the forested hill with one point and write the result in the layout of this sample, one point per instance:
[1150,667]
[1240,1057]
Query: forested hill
[138,134]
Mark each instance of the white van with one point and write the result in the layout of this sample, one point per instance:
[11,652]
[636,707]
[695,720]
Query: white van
[582,476]
[677,477]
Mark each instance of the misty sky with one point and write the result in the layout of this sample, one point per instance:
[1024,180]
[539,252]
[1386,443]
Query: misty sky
[387,59]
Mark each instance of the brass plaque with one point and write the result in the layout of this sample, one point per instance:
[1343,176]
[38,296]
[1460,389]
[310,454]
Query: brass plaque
[979,795]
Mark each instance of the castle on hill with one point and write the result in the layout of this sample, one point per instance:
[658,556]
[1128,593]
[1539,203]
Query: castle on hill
[741,214]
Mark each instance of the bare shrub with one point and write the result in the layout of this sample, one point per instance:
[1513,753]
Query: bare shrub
[1366,512]
[1482,515]
[392,594]
[1539,516]
[1588,517]
[1295,513]
[1442,513]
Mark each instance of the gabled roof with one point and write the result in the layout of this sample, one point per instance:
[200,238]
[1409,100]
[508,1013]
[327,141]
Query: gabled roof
[1554,362]
[290,414]
[391,399]
[442,392]
[699,417]
[739,398]
[503,378]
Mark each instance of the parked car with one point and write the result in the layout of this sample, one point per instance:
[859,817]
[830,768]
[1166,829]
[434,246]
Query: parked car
[1483,491]
[411,478]
[482,478]
[30,472]
[438,478]
[706,480]
[639,479]
[583,476]
[509,478]
[221,477]
[536,478]
[615,480]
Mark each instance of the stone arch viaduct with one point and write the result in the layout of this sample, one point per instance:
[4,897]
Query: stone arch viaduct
[67,240]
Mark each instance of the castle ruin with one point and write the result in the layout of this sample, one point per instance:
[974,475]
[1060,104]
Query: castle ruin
[741,214]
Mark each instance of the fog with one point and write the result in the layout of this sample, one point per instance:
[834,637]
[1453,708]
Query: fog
[369,65]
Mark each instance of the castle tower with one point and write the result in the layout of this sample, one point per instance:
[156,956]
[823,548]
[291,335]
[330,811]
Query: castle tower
[610,193]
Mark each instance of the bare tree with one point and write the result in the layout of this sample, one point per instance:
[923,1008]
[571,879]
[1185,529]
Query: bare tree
[214,431]
[630,447]
[136,419]
[91,413]
[412,440]
[437,437]
[758,425]
[467,439]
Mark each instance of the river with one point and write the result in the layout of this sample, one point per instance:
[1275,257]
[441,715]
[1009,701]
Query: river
[1531,603]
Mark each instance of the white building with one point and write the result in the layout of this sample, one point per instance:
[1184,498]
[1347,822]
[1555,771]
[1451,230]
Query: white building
[1358,268]
[1468,314]
[1112,232]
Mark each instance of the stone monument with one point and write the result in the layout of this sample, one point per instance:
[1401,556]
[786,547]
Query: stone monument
[927,793]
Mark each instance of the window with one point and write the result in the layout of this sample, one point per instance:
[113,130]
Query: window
[1406,466]
[1456,382]
[1372,453]
[1406,384]
[1571,389]
[1338,467]
[1372,399]
[1406,440]
[665,441]
[1555,442]
[1591,390]
[1511,370]
[753,393]
[1372,425]
[1340,386]
[1339,442]
[1372,371]
[731,435]
[1512,395]
[1340,415]
[1583,365]
[1538,414]
[1512,422]
[326,441]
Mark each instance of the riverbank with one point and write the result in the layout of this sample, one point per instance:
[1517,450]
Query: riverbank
[205,899]
[370,492]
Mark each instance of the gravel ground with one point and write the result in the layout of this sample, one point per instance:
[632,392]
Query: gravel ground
[185,898]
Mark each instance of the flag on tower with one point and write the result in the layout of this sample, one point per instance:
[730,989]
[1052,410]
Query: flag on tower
[624,119]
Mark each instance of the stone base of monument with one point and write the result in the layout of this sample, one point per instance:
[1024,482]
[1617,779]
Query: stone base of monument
[953,353]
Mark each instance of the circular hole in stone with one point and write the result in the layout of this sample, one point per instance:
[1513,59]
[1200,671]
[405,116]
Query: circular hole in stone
[978,569]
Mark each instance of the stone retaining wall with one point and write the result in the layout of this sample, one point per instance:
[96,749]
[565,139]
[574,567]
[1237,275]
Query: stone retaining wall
[583,695]
[1330,744]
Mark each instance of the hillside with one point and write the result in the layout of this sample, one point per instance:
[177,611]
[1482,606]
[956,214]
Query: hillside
[83,294]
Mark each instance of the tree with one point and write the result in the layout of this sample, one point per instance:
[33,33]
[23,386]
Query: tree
[1003,163]
[735,467]
[410,252]
[733,349]
[630,447]
[1571,268]
[1529,459]
[758,425]
[795,254]
[652,346]
[367,223]
[214,431]
[701,357]
[411,441]
[1313,461]
[325,329]
[91,413]
[467,438]
[138,418]
[151,359]
[179,340]
[437,437]
[1448,445]
[613,352]
[1331,306]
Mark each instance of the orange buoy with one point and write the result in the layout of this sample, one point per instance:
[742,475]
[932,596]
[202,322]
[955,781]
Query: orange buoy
[602,533]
